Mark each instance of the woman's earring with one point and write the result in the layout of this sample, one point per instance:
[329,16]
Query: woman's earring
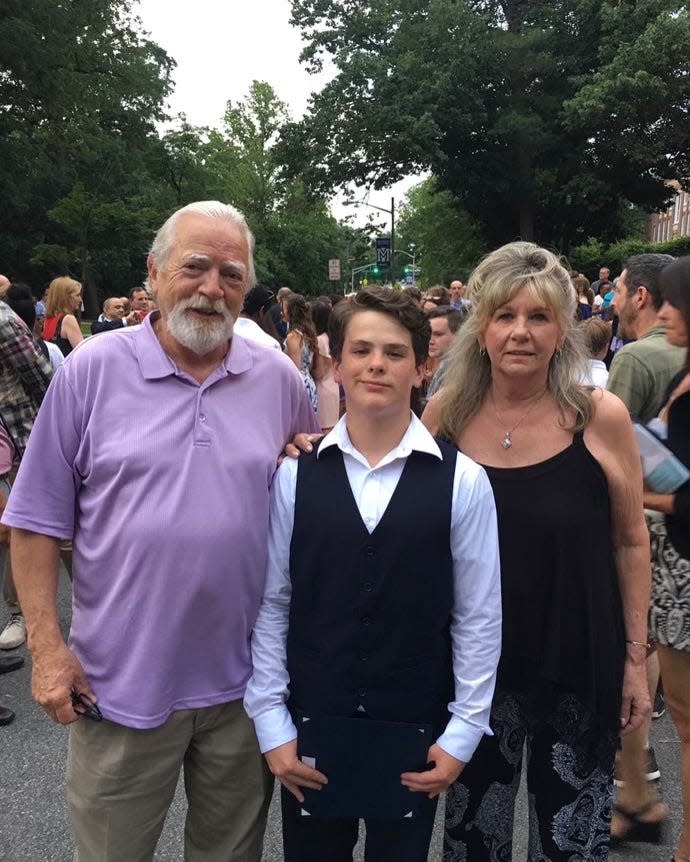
[482,352]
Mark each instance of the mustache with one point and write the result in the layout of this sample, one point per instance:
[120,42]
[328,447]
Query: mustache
[203,303]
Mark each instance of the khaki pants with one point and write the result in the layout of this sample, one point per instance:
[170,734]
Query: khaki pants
[120,783]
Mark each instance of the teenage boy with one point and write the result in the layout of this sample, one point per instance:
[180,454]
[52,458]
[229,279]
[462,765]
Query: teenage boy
[382,595]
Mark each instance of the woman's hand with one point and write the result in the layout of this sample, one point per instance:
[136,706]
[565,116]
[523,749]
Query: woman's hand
[635,704]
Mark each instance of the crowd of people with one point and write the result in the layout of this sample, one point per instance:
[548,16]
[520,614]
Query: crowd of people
[418,560]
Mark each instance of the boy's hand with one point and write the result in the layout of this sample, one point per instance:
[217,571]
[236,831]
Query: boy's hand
[300,443]
[434,781]
[291,772]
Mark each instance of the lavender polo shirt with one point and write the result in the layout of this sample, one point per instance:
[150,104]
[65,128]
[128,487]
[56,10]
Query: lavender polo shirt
[164,485]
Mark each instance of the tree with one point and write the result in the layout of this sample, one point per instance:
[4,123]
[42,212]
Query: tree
[447,242]
[295,233]
[543,119]
[80,90]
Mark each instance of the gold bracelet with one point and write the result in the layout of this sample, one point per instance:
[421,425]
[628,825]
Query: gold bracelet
[638,643]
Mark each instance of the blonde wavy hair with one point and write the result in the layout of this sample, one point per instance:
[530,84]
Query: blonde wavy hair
[57,298]
[494,282]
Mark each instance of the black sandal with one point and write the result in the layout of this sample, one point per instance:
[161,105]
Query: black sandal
[647,831]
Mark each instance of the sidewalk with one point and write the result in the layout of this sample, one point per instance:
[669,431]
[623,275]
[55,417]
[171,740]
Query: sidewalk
[33,816]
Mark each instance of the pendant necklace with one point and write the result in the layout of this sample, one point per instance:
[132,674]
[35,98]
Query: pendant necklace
[507,441]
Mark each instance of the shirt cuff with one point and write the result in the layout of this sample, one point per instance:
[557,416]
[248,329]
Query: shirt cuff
[274,727]
[460,739]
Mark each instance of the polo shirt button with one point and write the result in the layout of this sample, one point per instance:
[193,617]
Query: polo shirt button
[366,586]
[202,417]
[371,550]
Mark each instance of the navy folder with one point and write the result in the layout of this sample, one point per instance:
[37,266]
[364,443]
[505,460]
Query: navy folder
[363,759]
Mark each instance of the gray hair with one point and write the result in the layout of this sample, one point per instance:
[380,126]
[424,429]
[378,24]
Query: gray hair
[494,282]
[163,240]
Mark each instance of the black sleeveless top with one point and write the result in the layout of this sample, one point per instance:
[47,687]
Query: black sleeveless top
[63,343]
[562,617]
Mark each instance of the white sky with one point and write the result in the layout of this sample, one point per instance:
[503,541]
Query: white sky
[221,46]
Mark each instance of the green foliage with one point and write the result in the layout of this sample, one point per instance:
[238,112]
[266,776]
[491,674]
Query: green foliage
[295,234]
[588,257]
[86,179]
[543,119]
[80,90]
[447,241]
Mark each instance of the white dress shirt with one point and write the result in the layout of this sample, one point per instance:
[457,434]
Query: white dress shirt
[475,616]
[249,329]
[595,374]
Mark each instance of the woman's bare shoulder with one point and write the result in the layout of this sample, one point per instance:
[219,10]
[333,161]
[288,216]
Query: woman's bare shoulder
[431,417]
[609,413]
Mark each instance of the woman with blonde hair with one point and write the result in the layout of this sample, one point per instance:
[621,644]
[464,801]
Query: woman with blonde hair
[559,456]
[61,326]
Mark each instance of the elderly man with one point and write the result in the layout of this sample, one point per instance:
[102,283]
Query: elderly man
[161,621]
[114,316]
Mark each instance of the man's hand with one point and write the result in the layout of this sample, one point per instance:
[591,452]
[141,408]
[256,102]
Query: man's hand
[434,781]
[635,705]
[291,772]
[56,672]
[300,443]
[132,318]
[4,531]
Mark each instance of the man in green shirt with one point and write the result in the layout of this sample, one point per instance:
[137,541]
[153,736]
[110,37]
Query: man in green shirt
[642,370]
[640,374]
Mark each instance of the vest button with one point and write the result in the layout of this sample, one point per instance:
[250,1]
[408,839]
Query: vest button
[366,621]
[367,586]
[371,550]
[364,657]
[361,693]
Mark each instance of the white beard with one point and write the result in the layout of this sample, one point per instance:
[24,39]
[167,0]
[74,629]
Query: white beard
[194,332]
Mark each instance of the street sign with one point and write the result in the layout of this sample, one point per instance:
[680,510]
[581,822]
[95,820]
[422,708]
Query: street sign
[383,250]
[334,269]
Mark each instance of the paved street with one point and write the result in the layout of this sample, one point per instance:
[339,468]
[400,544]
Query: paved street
[33,819]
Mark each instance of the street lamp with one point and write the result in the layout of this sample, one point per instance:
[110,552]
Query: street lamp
[412,255]
[360,269]
[391,213]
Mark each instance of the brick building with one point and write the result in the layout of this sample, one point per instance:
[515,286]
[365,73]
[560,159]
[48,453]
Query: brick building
[672,223]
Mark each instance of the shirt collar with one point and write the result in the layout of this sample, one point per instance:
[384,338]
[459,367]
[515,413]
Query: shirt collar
[657,329]
[155,362]
[415,439]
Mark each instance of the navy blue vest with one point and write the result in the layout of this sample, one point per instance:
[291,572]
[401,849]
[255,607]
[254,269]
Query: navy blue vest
[370,613]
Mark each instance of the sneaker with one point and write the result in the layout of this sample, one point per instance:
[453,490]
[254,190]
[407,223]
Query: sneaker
[14,633]
[659,707]
[652,772]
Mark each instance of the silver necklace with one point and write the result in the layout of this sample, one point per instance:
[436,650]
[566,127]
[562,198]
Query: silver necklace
[507,441]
